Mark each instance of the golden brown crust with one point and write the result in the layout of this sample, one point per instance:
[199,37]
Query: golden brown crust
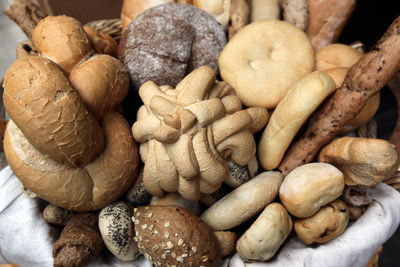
[50,113]
[79,243]
[170,235]
[80,189]
[226,241]
[239,16]
[364,79]
[363,161]
[102,42]
[63,40]
[101,82]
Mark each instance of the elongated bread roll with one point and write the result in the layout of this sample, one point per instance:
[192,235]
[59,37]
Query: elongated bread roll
[244,202]
[290,114]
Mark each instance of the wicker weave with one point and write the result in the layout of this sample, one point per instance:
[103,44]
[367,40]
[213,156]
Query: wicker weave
[111,26]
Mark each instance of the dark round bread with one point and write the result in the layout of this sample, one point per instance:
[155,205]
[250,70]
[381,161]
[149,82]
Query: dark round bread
[168,41]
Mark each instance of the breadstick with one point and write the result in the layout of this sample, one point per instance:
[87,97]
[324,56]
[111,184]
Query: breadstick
[364,79]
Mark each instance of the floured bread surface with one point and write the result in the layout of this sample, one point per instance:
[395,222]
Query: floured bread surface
[166,42]
[264,59]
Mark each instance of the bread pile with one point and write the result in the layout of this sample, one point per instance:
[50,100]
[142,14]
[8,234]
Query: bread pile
[199,195]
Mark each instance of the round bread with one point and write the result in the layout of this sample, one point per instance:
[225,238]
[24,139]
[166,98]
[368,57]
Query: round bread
[117,230]
[219,9]
[359,195]
[100,93]
[63,40]
[264,237]
[56,215]
[138,195]
[226,241]
[40,100]
[303,98]
[243,202]
[309,187]
[174,199]
[368,111]
[335,56]
[166,42]
[172,236]
[328,223]
[90,187]
[264,60]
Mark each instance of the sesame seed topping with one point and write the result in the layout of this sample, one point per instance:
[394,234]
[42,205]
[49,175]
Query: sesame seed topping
[144,226]
[169,244]
[163,256]
[167,224]
[176,234]
[166,235]
[136,233]
[158,263]
[204,258]
[194,249]
[155,232]
[180,242]
[135,239]
[149,215]
[156,247]
[180,259]
[151,228]
[140,238]
[138,214]
[136,221]
[173,255]
[133,219]
[146,208]
[184,255]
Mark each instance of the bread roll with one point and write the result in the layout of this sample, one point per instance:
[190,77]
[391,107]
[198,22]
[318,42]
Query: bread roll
[336,56]
[293,110]
[226,241]
[63,40]
[102,42]
[309,187]
[328,223]
[80,189]
[368,111]
[264,9]
[244,202]
[219,9]
[50,113]
[264,237]
[363,161]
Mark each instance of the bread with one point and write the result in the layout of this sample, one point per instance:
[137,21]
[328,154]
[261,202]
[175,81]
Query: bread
[79,242]
[309,187]
[239,16]
[368,111]
[170,235]
[166,42]
[239,175]
[80,189]
[174,199]
[102,42]
[219,9]
[328,223]
[264,60]
[364,79]
[187,135]
[137,195]
[264,237]
[226,241]
[101,93]
[243,202]
[302,99]
[327,20]
[363,161]
[357,196]
[117,230]
[56,215]
[264,9]
[50,113]
[296,13]
[63,40]
[336,56]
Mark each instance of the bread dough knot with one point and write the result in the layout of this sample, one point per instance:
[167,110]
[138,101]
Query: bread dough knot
[189,132]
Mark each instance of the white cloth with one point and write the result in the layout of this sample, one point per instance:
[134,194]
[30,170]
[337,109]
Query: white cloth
[26,239]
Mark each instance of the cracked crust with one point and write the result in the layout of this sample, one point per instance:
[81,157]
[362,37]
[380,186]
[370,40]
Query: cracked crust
[171,235]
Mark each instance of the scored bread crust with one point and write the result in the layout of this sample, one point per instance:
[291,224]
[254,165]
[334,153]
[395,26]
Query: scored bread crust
[89,188]
[50,113]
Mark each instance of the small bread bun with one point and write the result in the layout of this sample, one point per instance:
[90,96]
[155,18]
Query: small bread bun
[328,223]
[336,56]
[309,187]
[226,241]
[50,113]
[172,236]
[79,189]
[302,99]
[243,202]
[368,111]
[101,93]
[63,40]
[264,237]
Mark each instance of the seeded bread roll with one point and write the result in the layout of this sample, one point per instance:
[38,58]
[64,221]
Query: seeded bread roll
[243,202]
[63,40]
[50,113]
[174,199]
[172,236]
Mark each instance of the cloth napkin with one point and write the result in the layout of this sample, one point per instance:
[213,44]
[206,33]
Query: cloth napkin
[26,239]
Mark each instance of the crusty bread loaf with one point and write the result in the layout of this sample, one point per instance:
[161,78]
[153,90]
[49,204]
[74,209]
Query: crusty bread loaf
[89,188]
[302,99]
[363,161]
[50,113]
